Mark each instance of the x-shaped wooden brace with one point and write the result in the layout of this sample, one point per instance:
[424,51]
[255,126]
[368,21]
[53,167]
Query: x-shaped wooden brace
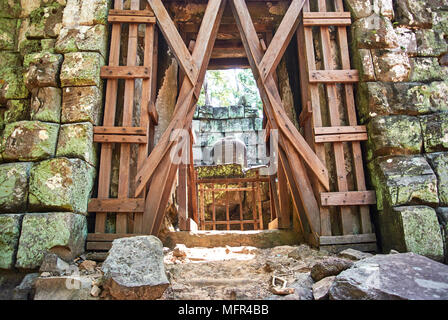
[159,167]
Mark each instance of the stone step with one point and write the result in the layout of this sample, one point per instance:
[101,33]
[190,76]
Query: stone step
[210,239]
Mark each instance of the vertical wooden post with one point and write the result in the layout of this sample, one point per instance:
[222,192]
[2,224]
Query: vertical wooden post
[182,198]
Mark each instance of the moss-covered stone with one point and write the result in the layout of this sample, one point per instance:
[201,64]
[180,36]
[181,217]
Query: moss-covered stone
[76,141]
[394,135]
[8,30]
[407,41]
[426,97]
[63,233]
[403,180]
[81,69]
[30,46]
[42,69]
[374,32]
[391,65]
[359,8]
[430,43]
[236,112]
[12,85]
[82,104]
[439,163]
[61,185]
[83,38]
[14,187]
[220,171]
[426,69]
[46,21]
[413,13]
[29,141]
[364,63]
[10,8]
[46,104]
[17,110]
[9,239]
[435,132]
[94,12]
[9,59]
[412,229]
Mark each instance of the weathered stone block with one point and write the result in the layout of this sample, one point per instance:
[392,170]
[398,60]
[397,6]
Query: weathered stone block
[426,69]
[43,69]
[362,9]
[46,21]
[403,180]
[412,229]
[61,184]
[17,110]
[9,59]
[430,43]
[435,132]
[251,112]
[205,112]
[426,97]
[391,65]
[82,104]
[236,112]
[46,104]
[414,13]
[81,69]
[12,85]
[9,9]
[63,233]
[220,113]
[407,40]
[374,32]
[29,141]
[14,187]
[9,239]
[364,63]
[217,125]
[8,28]
[439,162]
[83,38]
[394,135]
[440,20]
[76,141]
[93,12]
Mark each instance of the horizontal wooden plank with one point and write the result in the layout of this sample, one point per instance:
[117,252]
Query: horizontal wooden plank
[231,180]
[227,190]
[348,239]
[131,19]
[342,138]
[339,130]
[108,138]
[140,13]
[99,246]
[117,205]
[107,237]
[231,222]
[353,198]
[326,15]
[326,22]
[122,72]
[137,131]
[334,76]
[363,247]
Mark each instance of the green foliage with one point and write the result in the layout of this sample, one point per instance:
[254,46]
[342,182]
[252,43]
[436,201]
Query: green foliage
[230,87]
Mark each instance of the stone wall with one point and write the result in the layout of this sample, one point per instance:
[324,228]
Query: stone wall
[50,99]
[400,48]
[212,124]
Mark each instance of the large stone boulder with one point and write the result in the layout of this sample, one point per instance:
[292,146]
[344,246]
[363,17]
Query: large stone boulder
[14,186]
[61,184]
[134,269]
[329,267]
[29,141]
[62,233]
[9,239]
[76,141]
[392,277]
[63,288]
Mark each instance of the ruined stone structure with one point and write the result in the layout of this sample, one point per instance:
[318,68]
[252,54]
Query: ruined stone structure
[51,97]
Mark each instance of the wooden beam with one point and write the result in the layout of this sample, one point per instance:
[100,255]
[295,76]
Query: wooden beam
[348,239]
[140,13]
[334,76]
[342,138]
[107,237]
[109,138]
[339,130]
[130,19]
[120,130]
[327,22]
[127,72]
[354,198]
[116,205]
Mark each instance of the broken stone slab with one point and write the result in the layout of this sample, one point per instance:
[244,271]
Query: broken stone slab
[46,20]
[9,239]
[134,269]
[412,229]
[180,251]
[303,289]
[61,184]
[403,180]
[25,291]
[42,69]
[329,267]
[354,255]
[81,69]
[53,264]
[394,135]
[83,38]
[82,104]
[29,141]
[76,141]
[392,277]
[64,288]
[439,162]
[88,265]
[46,104]
[62,233]
[14,186]
[321,289]
[435,132]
